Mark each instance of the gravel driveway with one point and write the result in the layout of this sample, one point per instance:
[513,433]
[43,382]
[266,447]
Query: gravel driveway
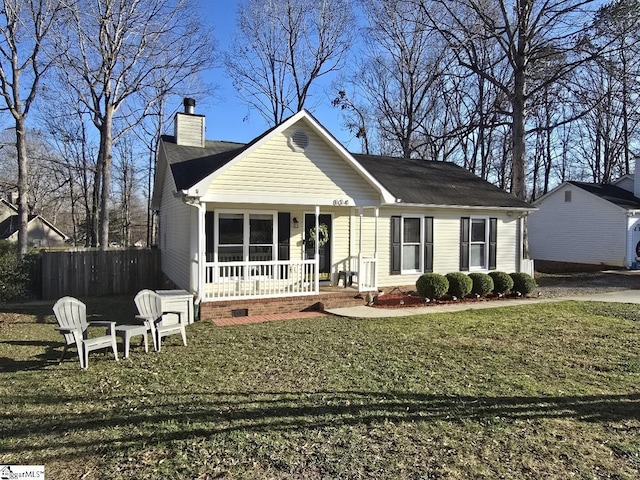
[571,284]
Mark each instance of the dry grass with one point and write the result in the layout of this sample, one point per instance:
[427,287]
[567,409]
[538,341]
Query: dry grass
[544,391]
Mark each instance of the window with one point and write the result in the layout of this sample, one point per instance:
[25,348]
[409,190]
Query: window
[477,248]
[411,244]
[230,237]
[260,238]
[478,243]
[567,196]
[245,236]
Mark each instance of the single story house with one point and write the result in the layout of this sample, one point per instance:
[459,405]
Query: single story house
[238,223]
[588,223]
[41,233]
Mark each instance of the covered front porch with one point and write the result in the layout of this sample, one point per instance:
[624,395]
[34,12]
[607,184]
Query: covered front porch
[284,251]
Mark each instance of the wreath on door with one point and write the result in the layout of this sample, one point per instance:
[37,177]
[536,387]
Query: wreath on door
[322,237]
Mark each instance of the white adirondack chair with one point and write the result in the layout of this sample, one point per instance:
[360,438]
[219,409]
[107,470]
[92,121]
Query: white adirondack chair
[149,305]
[71,314]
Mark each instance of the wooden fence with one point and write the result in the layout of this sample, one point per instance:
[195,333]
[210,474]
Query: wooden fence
[88,273]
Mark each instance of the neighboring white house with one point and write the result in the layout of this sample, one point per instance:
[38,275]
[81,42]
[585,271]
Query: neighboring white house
[588,223]
[41,233]
[238,221]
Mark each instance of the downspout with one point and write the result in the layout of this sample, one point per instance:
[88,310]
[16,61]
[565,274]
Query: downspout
[360,269]
[200,254]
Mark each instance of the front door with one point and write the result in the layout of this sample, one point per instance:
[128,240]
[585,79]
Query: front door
[325,242]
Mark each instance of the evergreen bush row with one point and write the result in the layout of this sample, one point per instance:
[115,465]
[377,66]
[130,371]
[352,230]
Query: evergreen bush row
[458,284]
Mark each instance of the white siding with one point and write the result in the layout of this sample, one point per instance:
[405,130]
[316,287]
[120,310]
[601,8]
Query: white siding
[175,236]
[585,230]
[446,241]
[277,174]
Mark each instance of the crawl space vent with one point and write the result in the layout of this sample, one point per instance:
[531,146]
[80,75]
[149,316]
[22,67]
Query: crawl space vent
[299,141]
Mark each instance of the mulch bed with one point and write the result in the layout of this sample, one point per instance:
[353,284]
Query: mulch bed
[403,300]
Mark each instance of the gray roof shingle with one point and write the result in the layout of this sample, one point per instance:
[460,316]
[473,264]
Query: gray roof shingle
[413,181]
[436,183]
[616,195]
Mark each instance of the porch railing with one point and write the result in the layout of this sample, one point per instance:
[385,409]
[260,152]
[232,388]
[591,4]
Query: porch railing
[238,280]
[367,275]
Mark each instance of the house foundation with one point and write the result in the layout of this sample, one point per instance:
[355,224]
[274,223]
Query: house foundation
[269,306]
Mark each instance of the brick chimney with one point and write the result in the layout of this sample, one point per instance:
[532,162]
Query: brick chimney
[188,126]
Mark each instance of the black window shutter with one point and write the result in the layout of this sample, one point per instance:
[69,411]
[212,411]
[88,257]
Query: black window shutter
[396,246]
[464,244]
[493,242]
[209,221]
[428,244]
[284,233]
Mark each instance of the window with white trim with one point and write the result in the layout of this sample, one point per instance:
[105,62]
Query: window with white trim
[411,244]
[478,244]
[245,237]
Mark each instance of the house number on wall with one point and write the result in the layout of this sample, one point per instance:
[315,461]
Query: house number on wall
[340,203]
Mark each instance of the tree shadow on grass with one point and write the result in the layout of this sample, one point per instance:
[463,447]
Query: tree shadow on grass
[169,418]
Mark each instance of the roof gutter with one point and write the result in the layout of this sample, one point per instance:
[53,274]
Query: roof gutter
[458,207]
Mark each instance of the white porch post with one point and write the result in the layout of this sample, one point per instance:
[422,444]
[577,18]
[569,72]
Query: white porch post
[360,271]
[202,255]
[375,248]
[316,255]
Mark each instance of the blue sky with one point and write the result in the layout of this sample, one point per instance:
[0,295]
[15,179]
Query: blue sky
[227,117]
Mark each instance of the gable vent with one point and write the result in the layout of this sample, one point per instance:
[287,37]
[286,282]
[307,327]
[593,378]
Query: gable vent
[299,141]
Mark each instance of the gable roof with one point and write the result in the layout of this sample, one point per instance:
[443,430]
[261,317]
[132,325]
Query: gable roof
[193,167]
[436,183]
[611,193]
[405,181]
[10,225]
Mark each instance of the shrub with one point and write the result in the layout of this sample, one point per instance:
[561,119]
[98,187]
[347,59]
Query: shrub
[502,282]
[523,283]
[482,283]
[459,284]
[432,285]
[13,273]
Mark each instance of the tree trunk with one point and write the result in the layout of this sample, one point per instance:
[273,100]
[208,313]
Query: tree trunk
[105,160]
[23,186]
[518,140]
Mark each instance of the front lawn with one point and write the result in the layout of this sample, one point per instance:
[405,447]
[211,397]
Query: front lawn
[544,391]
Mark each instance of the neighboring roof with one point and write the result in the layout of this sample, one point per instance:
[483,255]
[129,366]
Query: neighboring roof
[9,225]
[611,193]
[436,183]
